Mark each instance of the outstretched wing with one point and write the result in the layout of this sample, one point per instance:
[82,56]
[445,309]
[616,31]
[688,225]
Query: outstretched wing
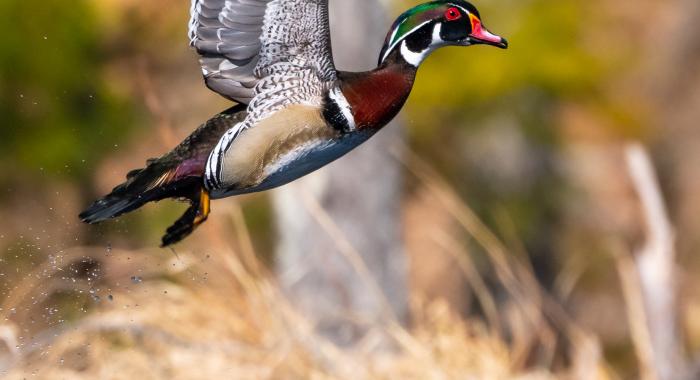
[292,63]
[242,42]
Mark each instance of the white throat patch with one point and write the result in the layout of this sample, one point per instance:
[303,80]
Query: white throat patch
[413,58]
[416,58]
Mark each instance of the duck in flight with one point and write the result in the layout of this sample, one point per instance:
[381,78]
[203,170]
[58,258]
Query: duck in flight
[296,113]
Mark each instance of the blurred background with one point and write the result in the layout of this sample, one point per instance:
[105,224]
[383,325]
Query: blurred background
[531,215]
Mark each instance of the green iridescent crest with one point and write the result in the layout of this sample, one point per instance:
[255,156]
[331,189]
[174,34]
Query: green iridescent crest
[413,19]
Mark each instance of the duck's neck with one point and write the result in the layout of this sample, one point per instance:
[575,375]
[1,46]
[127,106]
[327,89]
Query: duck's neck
[376,97]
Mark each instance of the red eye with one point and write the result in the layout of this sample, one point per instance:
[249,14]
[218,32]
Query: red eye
[453,14]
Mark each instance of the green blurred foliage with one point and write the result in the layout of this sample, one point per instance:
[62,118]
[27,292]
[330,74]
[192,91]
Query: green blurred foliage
[462,94]
[546,58]
[62,116]
[58,114]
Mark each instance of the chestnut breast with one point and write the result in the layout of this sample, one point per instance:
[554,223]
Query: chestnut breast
[377,97]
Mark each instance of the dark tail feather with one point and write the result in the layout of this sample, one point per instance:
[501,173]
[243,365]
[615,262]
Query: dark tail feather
[110,207]
[177,174]
[152,184]
[142,186]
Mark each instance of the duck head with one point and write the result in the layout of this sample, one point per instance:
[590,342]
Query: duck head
[426,27]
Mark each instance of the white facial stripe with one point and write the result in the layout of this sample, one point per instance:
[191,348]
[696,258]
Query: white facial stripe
[396,31]
[436,34]
[393,35]
[416,59]
[393,45]
[337,96]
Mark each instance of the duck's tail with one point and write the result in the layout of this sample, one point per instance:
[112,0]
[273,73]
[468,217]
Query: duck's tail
[178,174]
[154,183]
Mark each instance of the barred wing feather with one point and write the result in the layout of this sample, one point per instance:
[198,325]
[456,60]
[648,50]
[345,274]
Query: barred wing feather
[242,42]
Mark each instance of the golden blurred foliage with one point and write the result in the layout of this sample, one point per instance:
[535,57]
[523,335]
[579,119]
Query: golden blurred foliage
[523,220]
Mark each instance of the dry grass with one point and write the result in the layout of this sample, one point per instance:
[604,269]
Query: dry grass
[235,325]
[190,334]
[218,313]
[221,315]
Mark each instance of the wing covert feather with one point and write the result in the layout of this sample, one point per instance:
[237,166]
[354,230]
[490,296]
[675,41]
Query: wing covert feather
[241,42]
[268,54]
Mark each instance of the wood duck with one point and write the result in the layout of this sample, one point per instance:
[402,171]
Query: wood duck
[296,113]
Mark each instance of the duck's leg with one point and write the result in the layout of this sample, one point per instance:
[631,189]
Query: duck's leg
[195,215]
[176,175]
[204,208]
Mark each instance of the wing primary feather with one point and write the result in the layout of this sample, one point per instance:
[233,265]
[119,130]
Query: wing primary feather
[242,42]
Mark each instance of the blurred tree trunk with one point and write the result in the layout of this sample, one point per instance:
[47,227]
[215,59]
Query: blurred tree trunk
[676,90]
[676,93]
[350,208]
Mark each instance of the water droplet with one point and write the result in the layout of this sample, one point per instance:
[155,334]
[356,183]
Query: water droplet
[136,279]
